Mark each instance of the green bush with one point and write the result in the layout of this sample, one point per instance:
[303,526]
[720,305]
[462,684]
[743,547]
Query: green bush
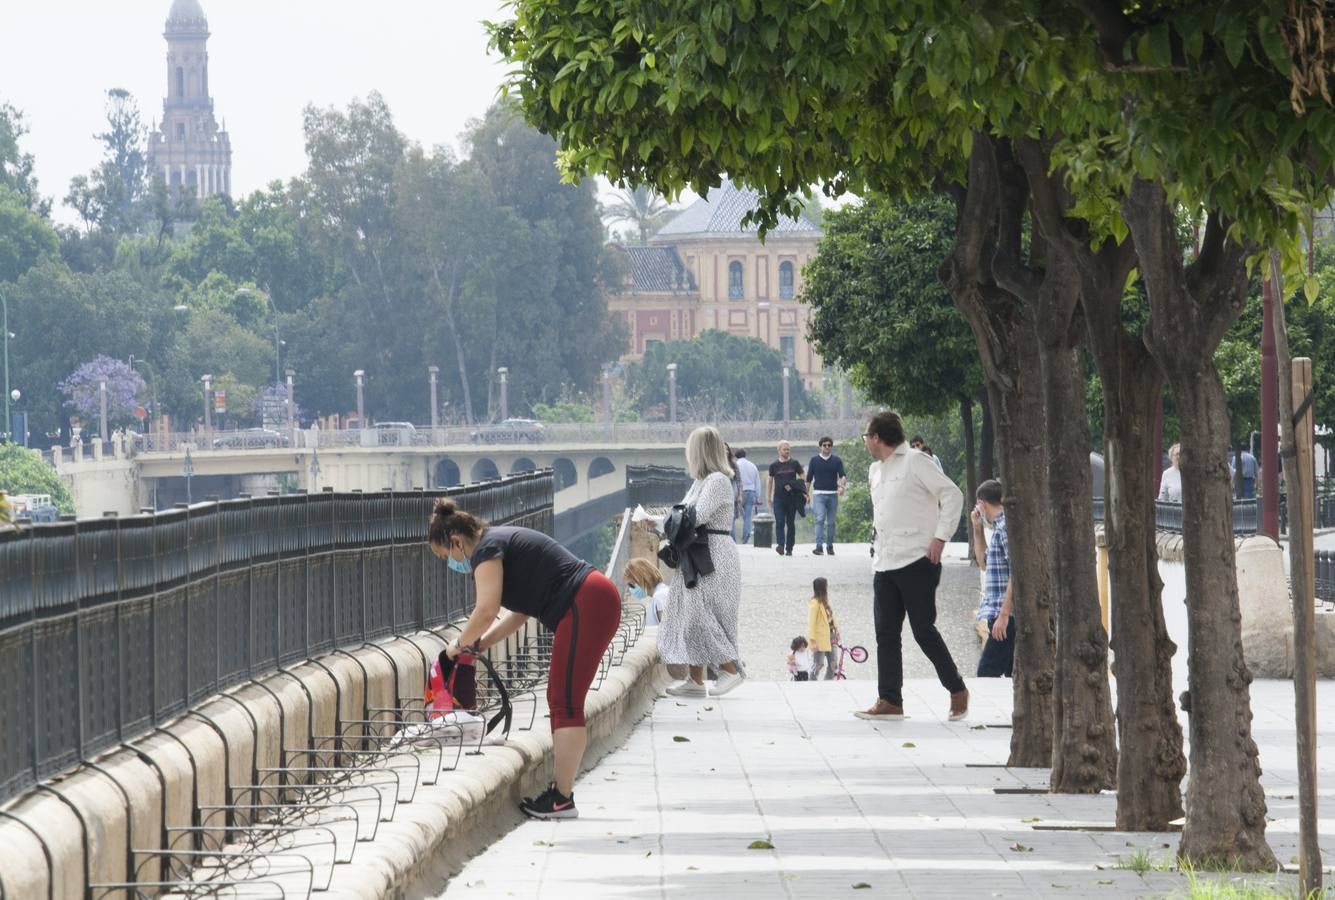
[23,471]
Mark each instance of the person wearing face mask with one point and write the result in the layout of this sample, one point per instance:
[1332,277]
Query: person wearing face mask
[526,573]
[993,556]
[647,584]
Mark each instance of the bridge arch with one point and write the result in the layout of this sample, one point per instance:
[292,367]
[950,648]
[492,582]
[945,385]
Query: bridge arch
[523,464]
[484,469]
[447,473]
[600,466]
[564,473]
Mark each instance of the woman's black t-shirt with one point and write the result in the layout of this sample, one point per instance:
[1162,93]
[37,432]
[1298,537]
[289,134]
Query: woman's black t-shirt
[541,577]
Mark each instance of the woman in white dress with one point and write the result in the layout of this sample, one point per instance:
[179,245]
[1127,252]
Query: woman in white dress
[700,626]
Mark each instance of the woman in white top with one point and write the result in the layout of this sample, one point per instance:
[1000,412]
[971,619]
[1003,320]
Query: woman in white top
[1170,483]
[647,584]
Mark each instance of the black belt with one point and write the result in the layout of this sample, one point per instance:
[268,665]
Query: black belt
[718,531]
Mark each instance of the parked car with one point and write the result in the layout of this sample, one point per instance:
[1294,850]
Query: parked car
[510,431]
[251,439]
[394,432]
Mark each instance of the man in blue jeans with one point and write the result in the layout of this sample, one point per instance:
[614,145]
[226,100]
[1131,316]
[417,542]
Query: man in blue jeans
[748,477]
[998,654]
[826,478]
[787,497]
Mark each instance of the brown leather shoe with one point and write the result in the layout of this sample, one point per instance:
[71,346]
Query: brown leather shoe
[881,709]
[959,705]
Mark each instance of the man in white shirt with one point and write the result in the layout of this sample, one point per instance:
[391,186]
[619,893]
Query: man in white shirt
[748,489]
[915,510]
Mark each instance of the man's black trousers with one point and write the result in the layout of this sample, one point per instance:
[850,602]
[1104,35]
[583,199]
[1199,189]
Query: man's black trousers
[909,591]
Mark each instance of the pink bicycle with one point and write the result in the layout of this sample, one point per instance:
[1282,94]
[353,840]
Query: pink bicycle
[855,653]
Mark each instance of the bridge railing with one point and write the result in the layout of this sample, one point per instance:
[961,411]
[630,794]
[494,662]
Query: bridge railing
[737,433]
[1168,515]
[111,626]
[655,485]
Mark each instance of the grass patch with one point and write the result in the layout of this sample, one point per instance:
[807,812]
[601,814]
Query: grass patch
[1142,861]
[1205,888]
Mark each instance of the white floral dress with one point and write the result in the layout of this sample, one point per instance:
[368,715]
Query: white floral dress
[700,624]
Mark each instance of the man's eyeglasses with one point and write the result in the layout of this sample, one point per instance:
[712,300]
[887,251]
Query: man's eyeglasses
[827,445]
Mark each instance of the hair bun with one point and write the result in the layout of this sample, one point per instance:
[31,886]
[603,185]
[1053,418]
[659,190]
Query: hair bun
[446,506]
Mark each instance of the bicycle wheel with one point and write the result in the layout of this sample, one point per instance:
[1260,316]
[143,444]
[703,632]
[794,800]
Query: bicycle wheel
[858,654]
[840,676]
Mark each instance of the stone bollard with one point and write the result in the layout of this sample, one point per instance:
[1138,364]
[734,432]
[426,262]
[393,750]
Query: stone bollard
[78,452]
[97,448]
[1267,612]
[57,456]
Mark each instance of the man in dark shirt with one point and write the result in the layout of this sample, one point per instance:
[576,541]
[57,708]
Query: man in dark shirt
[787,494]
[826,478]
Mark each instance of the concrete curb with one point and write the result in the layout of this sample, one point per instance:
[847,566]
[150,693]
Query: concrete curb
[127,800]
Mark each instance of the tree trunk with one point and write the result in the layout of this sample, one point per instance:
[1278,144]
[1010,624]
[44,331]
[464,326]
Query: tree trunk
[1191,307]
[970,472]
[986,451]
[1005,339]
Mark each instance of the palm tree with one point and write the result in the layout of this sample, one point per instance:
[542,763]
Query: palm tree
[641,206]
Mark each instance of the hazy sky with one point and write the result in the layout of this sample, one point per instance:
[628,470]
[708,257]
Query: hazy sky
[267,60]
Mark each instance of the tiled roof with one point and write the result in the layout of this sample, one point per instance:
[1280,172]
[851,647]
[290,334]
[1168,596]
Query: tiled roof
[721,213]
[657,269]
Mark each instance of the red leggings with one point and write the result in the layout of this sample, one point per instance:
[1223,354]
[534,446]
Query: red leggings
[581,640]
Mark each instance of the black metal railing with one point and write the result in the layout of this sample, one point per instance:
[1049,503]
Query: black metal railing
[1168,515]
[655,485]
[111,626]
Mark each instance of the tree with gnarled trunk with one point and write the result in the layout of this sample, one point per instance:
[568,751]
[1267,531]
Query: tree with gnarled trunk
[1005,336]
[1193,306]
[1151,763]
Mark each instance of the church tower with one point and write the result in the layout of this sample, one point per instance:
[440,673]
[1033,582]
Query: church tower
[189,150]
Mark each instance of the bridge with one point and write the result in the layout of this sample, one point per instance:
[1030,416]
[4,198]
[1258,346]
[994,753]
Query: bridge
[588,462]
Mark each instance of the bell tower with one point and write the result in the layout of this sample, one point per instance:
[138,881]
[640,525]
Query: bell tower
[189,150]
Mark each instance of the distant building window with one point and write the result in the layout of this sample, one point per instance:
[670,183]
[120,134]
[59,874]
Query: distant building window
[649,343]
[180,81]
[785,280]
[735,281]
[180,131]
[788,348]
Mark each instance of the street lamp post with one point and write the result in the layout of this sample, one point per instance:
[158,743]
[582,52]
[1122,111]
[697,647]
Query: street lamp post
[102,410]
[1269,414]
[4,304]
[504,373]
[432,372]
[291,406]
[277,344]
[607,393]
[208,404]
[360,375]
[785,396]
[672,392]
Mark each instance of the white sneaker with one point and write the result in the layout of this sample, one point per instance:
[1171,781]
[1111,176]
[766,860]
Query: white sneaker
[686,688]
[727,681]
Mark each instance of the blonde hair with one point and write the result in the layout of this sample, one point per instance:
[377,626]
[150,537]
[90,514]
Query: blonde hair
[643,572]
[705,453]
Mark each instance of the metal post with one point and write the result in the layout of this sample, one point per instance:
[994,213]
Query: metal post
[607,393]
[433,371]
[277,344]
[1269,460]
[291,406]
[672,392]
[102,408]
[361,404]
[208,405]
[4,303]
[785,396]
[504,373]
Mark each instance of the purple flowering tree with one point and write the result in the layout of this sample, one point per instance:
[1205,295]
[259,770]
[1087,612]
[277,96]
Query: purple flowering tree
[124,387]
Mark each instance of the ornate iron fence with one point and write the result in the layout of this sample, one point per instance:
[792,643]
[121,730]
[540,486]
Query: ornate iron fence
[111,626]
[1168,516]
[655,485]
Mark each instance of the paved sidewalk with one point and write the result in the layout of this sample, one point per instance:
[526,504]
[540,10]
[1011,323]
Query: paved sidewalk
[852,808]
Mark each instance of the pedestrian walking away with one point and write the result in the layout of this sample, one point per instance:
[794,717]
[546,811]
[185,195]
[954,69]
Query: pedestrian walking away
[915,510]
[749,477]
[826,479]
[787,497]
[821,630]
[526,573]
[1249,469]
[701,625]
[994,557]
